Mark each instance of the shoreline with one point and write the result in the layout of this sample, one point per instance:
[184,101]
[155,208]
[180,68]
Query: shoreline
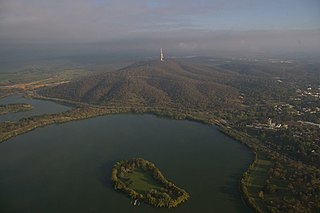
[82,111]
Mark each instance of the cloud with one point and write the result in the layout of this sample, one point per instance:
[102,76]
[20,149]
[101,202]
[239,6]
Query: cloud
[86,20]
[203,26]
[43,21]
[37,20]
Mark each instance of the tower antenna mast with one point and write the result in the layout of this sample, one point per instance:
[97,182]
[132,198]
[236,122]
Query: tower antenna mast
[161,55]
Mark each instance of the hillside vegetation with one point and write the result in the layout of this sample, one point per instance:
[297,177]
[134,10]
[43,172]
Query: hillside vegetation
[171,84]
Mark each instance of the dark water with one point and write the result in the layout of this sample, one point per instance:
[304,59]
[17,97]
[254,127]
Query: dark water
[39,107]
[67,168]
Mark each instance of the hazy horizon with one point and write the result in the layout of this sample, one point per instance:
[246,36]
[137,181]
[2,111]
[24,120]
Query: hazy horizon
[42,28]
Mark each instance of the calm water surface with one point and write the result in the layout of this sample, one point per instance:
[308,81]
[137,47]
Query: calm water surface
[67,168]
[39,107]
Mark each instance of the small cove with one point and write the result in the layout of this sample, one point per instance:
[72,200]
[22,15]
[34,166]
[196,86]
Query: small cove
[39,107]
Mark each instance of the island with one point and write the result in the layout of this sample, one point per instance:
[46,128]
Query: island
[13,108]
[142,181]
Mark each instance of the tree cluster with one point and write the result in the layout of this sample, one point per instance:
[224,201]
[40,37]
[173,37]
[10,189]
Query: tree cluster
[169,195]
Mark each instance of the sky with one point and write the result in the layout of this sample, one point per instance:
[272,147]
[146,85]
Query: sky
[181,26]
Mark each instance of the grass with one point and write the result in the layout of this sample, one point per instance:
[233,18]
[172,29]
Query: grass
[259,173]
[257,179]
[142,181]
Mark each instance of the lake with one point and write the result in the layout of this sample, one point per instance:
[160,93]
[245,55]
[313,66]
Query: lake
[67,167]
[39,107]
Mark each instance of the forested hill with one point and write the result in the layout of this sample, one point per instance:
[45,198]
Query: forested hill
[171,83]
[153,83]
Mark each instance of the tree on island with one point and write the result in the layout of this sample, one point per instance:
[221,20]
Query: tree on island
[166,195]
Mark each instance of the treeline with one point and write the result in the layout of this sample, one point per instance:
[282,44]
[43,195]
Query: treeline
[286,185]
[169,195]
[299,141]
[10,129]
[279,101]
[13,108]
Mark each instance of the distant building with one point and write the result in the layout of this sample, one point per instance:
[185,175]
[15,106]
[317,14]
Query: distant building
[161,55]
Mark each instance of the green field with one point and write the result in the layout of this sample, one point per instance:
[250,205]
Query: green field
[265,170]
[142,181]
[257,179]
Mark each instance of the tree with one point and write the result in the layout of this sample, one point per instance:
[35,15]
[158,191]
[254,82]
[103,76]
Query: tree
[261,195]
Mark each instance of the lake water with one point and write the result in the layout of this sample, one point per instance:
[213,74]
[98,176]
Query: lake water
[67,167]
[39,107]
